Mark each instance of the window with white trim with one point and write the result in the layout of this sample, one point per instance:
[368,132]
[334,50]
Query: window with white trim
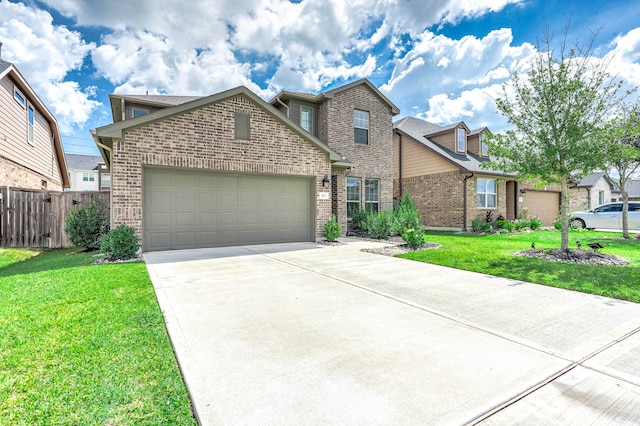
[19,97]
[31,123]
[372,195]
[353,196]
[361,127]
[487,194]
[461,140]
[484,148]
[88,177]
[306,118]
[139,112]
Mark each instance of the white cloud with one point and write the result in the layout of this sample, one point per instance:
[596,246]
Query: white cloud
[45,53]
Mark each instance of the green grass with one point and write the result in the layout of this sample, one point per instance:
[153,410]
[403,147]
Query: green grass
[493,255]
[84,344]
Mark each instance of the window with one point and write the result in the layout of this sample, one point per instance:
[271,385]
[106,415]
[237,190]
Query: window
[486,193]
[461,144]
[18,96]
[105,180]
[600,197]
[306,120]
[484,148]
[242,127]
[139,112]
[353,196]
[361,127]
[31,125]
[88,177]
[372,195]
[634,207]
[610,208]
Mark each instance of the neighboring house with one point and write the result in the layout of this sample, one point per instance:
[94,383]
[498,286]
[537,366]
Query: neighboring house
[88,173]
[31,154]
[441,167]
[231,169]
[597,188]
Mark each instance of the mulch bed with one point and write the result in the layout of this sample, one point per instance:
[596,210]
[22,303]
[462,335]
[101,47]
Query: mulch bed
[586,257]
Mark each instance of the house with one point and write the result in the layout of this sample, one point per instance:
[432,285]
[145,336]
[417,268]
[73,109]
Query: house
[597,188]
[31,154]
[231,169]
[441,167]
[88,173]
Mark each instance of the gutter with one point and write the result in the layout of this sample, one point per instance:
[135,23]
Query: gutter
[283,104]
[399,163]
[464,201]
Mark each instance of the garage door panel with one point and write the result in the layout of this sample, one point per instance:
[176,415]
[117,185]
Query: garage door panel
[545,205]
[159,220]
[183,220]
[189,209]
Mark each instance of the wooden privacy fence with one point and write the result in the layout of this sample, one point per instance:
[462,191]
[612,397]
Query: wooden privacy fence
[33,218]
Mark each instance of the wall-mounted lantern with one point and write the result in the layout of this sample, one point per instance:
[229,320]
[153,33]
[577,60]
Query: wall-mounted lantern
[326,182]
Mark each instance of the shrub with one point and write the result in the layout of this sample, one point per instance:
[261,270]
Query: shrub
[359,219]
[87,225]
[476,224]
[379,224]
[120,243]
[413,237]
[486,227]
[405,216]
[332,229]
[535,223]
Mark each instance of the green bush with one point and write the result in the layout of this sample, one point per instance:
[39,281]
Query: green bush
[476,224]
[332,229]
[405,216]
[486,226]
[120,243]
[413,237]
[87,225]
[359,219]
[535,223]
[379,225]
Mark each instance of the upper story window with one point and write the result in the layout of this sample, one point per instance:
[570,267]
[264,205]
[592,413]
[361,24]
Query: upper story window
[484,148]
[242,128]
[105,180]
[18,96]
[461,140]
[139,112]
[88,177]
[31,122]
[306,118]
[361,127]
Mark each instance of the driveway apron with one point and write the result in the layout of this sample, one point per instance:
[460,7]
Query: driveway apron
[302,333]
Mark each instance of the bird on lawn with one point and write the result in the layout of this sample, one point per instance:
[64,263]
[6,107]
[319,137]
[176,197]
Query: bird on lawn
[533,246]
[578,244]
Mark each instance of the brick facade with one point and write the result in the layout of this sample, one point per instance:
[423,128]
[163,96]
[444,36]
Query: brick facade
[15,175]
[371,161]
[439,199]
[203,139]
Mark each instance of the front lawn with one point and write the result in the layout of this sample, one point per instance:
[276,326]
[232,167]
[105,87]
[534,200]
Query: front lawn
[84,344]
[493,255]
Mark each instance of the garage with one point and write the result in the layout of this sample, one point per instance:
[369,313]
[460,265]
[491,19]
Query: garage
[186,209]
[543,204]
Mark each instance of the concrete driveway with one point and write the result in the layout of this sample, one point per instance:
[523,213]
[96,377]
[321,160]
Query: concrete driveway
[302,333]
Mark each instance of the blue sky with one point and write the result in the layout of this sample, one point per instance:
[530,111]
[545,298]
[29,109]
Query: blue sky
[441,60]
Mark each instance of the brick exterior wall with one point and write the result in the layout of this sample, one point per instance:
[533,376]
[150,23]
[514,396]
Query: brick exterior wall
[204,139]
[372,161]
[15,175]
[439,199]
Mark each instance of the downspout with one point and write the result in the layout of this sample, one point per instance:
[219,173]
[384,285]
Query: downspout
[283,104]
[399,164]
[464,201]
[103,146]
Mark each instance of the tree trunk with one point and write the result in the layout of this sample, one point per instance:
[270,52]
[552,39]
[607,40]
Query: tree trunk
[625,208]
[564,214]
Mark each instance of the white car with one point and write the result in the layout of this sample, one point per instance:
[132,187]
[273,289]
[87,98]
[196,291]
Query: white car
[607,216]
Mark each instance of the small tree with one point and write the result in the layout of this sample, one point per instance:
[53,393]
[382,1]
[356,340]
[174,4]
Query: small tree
[622,136]
[120,243]
[87,225]
[558,109]
[332,229]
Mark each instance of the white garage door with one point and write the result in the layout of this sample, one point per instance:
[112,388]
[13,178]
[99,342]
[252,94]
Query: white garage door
[545,205]
[187,209]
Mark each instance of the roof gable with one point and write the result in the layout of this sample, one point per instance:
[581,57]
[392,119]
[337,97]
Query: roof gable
[308,97]
[116,130]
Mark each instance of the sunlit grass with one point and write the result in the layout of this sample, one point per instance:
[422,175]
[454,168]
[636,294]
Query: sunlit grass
[84,344]
[493,255]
